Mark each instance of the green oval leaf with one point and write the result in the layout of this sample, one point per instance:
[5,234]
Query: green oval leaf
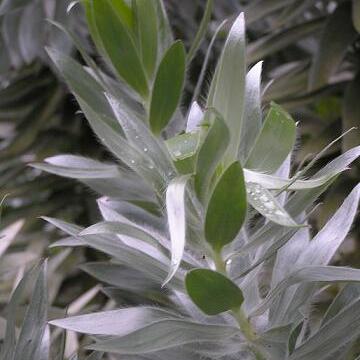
[212,292]
[274,142]
[119,46]
[226,211]
[167,87]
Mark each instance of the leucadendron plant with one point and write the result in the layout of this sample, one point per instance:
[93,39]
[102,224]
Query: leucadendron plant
[204,220]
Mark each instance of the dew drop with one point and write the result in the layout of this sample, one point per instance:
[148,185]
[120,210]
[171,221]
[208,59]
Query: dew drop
[146,149]
[177,153]
[270,205]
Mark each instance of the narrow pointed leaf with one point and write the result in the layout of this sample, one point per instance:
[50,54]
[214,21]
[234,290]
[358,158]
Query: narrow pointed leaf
[212,292]
[167,87]
[226,210]
[140,137]
[309,274]
[331,336]
[228,85]
[163,335]
[119,46]
[176,215]
[194,118]
[252,113]
[146,24]
[112,227]
[210,154]
[115,322]
[325,244]
[34,325]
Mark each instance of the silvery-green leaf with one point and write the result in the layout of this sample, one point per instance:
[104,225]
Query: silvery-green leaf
[331,336]
[163,335]
[165,35]
[274,142]
[9,344]
[77,167]
[324,245]
[324,175]
[274,342]
[115,322]
[252,114]
[106,179]
[12,262]
[80,82]
[127,280]
[288,255]
[194,118]
[176,215]
[229,85]
[34,325]
[123,150]
[141,138]
[8,235]
[267,205]
[132,257]
[210,155]
[44,349]
[333,45]
[308,274]
[120,228]
[348,294]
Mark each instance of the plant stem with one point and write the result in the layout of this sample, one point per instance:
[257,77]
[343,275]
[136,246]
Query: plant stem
[244,324]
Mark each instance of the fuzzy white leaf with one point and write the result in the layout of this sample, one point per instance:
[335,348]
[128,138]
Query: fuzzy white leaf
[115,322]
[228,85]
[252,113]
[8,235]
[175,207]
[341,329]
[194,118]
[309,274]
[165,334]
[323,247]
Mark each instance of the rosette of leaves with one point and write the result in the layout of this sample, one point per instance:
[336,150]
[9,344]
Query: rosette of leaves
[204,220]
